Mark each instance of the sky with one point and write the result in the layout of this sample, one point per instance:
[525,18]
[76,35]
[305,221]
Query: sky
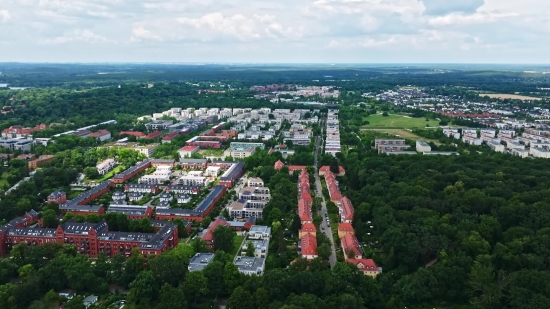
[283,31]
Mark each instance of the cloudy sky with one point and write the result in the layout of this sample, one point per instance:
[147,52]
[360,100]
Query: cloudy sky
[327,31]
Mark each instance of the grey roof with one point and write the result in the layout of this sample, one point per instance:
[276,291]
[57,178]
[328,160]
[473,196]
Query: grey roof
[247,264]
[423,143]
[234,170]
[128,209]
[178,212]
[157,241]
[183,187]
[35,232]
[133,169]
[216,192]
[260,229]
[72,227]
[90,208]
[200,261]
[56,194]
[101,186]
[142,185]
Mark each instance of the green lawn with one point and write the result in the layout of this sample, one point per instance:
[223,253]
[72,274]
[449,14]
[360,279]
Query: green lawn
[112,173]
[4,179]
[394,121]
[237,241]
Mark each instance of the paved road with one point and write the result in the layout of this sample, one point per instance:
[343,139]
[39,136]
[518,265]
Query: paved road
[323,211]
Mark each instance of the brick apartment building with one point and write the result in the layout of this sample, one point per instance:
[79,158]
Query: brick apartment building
[34,164]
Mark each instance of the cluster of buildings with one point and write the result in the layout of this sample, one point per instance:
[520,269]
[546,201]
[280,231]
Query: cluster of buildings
[252,200]
[332,142]
[398,146]
[91,239]
[257,236]
[353,252]
[308,232]
[274,92]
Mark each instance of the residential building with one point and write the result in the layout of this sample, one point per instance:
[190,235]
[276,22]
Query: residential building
[351,247]
[308,244]
[213,171]
[135,196]
[308,228]
[146,150]
[105,166]
[199,261]
[232,174]
[259,232]
[346,210]
[90,300]
[326,168]
[366,266]
[159,125]
[166,197]
[183,198]
[34,164]
[261,247]
[188,151]
[18,131]
[194,163]
[180,189]
[390,145]
[422,146]
[278,165]
[255,182]
[345,228]
[132,171]
[208,233]
[142,188]
[239,152]
[101,135]
[250,265]
[132,212]
[247,145]
[59,197]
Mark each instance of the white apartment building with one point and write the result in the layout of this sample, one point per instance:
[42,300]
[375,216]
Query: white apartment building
[105,166]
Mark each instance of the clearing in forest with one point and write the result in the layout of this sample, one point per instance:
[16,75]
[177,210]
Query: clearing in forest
[394,121]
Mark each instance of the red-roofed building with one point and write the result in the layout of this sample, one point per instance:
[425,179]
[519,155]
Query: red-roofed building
[292,168]
[346,210]
[309,246]
[101,135]
[344,229]
[152,135]
[279,165]
[326,168]
[332,187]
[308,228]
[304,211]
[366,266]
[188,151]
[18,131]
[208,235]
[350,246]
[168,138]
[132,133]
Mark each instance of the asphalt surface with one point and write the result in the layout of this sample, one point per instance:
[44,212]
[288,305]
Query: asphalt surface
[324,228]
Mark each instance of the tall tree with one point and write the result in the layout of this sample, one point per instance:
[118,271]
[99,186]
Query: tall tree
[223,238]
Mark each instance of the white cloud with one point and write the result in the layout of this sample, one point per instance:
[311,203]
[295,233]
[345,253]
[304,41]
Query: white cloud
[80,35]
[140,33]
[462,19]
[276,31]
[5,16]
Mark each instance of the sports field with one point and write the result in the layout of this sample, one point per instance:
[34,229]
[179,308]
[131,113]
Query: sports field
[397,122]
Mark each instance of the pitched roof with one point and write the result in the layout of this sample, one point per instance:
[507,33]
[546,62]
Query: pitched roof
[308,228]
[364,264]
[309,244]
[100,133]
[350,243]
[279,164]
[347,208]
[345,227]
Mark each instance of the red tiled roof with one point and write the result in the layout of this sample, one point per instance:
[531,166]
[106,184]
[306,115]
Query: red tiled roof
[345,227]
[171,136]
[347,208]
[364,264]
[153,135]
[350,243]
[136,134]
[209,236]
[189,148]
[99,133]
[279,164]
[292,168]
[326,168]
[308,228]
[309,244]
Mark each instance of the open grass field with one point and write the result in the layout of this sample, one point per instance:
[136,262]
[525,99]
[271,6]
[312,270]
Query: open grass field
[405,134]
[4,179]
[508,96]
[394,121]
[237,241]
